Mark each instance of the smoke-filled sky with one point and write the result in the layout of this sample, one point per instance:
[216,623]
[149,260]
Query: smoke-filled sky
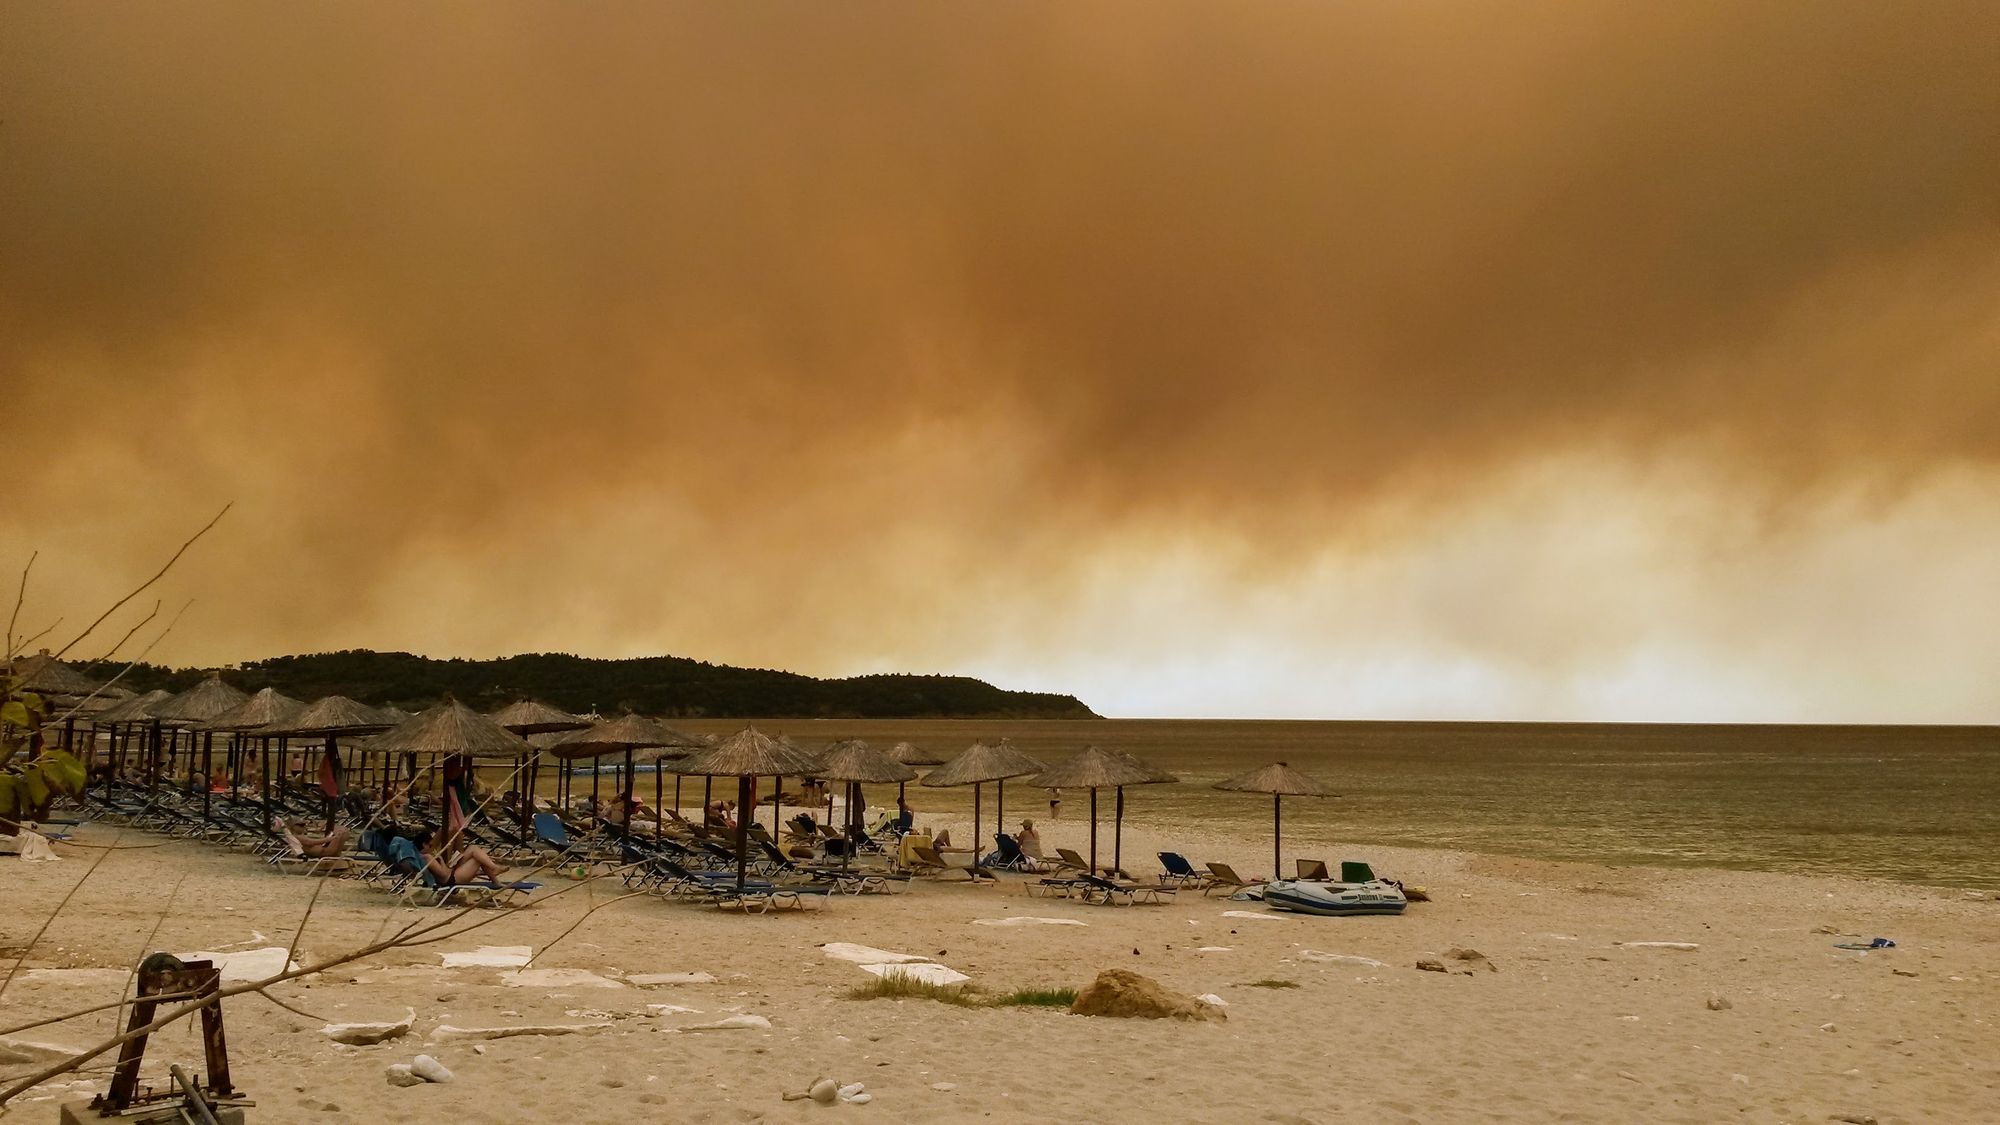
[1329,359]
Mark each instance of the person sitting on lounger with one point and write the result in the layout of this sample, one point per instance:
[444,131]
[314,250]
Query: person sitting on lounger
[472,863]
[623,809]
[906,818]
[312,847]
[1030,841]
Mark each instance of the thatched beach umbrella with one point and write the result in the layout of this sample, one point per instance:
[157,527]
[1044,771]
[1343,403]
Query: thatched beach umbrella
[910,754]
[452,730]
[1280,781]
[744,755]
[267,706]
[528,717]
[1094,769]
[43,674]
[121,718]
[195,707]
[857,763]
[979,764]
[332,717]
[624,734]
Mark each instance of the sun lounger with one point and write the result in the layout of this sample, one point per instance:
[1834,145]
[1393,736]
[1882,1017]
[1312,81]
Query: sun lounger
[1180,873]
[1224,878]
[1109,892]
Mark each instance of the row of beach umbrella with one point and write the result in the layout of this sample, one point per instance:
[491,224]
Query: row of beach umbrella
[525,731]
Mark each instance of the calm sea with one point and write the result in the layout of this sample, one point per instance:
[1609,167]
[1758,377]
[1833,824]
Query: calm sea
[1913,804]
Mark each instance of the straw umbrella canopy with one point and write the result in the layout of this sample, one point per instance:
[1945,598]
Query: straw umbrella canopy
[1093,769]
[910,754]
[133,709]
[977,765]
[194,708]
[333,715]
[263,709]
[529,716]
[332,718]
[43,674]
[747,754]
[451,729]
[1280,781]
[626,734]
[857,763]
[200,703]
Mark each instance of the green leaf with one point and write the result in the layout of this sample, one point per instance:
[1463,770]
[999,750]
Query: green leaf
[10,796]
[15,712]
[66,773]
[36,786]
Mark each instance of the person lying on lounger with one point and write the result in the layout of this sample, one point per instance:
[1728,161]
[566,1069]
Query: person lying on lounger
[312,847]
[472,863]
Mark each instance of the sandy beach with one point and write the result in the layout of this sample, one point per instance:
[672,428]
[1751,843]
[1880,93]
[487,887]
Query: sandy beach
[1765,1021]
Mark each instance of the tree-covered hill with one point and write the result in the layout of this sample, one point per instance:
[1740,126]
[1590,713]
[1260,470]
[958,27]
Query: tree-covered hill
[662,685]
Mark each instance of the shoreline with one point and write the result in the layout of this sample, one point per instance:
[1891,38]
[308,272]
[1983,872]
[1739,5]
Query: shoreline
[1571,1026]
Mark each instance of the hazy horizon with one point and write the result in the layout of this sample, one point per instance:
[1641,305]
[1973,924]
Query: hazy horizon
[1445,361]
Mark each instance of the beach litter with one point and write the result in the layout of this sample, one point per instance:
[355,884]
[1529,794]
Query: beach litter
[1027,920]
[1216,949]
[369,1034]
[1253,914]
[490,957]
[1873,943]
[1681,946]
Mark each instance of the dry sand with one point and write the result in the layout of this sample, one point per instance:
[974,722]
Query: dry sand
[1572,1027]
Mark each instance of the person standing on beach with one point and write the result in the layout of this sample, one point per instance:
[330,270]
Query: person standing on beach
[1055,804]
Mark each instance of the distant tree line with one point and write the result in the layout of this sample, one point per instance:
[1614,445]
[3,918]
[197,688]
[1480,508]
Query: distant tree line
[659,685]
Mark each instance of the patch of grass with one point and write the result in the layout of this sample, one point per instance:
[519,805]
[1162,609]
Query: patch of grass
[896,986]
[899,987]
[1271,984]
[1035,998]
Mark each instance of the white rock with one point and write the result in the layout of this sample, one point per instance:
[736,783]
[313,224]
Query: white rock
[369,1034]
[944,1087]
[733,1023]
[1252,915]
[400,1074]
[848,1091]
[246,964]
[490,957]
[867,954]
[557,978]
[1216,949]
[429,1069]
[1212,998]
[1340,959]
[446,1032]
[859,1099]
[923,971]
[1828,1027]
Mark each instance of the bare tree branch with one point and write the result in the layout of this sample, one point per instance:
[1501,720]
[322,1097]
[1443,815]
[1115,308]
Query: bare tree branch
[20,595]
[46,630]
[77,709]
[143,586]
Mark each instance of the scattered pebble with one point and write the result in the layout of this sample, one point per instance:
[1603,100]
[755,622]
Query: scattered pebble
[1719,1004]
[429,1069]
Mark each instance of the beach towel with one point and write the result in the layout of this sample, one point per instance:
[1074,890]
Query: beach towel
[34,847]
